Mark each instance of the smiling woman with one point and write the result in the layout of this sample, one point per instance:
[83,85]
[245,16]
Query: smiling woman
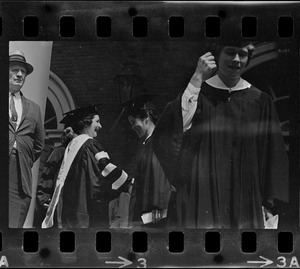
[87,179]
[90,125]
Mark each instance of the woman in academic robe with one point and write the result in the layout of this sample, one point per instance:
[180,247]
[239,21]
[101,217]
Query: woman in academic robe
[221,146]
[87,179]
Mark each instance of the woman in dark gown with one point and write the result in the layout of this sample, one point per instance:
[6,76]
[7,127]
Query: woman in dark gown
[221,146]
[151,190]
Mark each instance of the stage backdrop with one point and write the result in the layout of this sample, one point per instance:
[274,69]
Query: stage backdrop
[38,54]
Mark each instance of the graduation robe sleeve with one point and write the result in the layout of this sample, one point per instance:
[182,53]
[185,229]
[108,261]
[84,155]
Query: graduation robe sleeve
[273,160]
[151,188]
[167,139]
[115,180]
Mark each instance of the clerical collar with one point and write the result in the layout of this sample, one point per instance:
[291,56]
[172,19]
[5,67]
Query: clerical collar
[216,82]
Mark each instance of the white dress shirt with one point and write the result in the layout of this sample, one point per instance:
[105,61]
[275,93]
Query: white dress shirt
[18,104]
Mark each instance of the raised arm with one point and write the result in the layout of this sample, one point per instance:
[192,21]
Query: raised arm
[205,66]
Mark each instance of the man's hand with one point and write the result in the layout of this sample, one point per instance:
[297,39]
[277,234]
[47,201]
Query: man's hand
[205,66]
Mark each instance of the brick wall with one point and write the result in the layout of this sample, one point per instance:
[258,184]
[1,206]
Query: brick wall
[90,67]
[88,70]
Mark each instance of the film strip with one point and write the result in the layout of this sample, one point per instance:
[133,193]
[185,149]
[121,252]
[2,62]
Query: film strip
[103,26]
[87,53]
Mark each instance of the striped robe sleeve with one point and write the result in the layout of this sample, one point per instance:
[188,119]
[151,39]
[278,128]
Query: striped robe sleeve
[113,175]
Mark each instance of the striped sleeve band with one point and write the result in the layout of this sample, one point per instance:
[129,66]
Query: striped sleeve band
[108,169]
[101,155]
[120,181]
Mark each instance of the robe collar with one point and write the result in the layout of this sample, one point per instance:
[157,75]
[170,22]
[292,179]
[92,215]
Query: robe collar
[216,82]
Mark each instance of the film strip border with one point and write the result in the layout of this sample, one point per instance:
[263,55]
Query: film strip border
[140,26]
[139,239]
[155,20]
[142,249]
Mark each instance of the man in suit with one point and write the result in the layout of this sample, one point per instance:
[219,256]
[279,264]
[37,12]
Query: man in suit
[26,139]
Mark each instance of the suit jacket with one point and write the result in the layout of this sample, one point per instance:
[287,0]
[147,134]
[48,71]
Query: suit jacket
[30,140]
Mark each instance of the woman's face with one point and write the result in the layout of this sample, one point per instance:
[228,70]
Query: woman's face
[232,61]
[92,130]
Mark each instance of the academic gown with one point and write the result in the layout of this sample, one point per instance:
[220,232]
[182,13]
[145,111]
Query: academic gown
[86,192]
[47,182]
[229,163]
[151,189]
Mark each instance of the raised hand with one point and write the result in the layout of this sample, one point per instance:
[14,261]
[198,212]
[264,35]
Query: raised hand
[205,66]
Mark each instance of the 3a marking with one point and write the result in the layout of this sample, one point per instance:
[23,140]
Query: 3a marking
[283,262]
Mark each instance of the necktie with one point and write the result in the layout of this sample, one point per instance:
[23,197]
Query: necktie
[14,114]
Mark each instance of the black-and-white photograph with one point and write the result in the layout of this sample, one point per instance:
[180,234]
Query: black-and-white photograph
[171,117]
[161,134]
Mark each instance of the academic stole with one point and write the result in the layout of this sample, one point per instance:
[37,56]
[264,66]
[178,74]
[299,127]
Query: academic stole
[69,156]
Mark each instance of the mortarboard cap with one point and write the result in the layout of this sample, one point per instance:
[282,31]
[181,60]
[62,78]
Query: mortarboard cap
[78,114]
[231,33]
[142,101]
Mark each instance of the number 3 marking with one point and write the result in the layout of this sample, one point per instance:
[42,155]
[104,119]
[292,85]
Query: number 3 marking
[143,262]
